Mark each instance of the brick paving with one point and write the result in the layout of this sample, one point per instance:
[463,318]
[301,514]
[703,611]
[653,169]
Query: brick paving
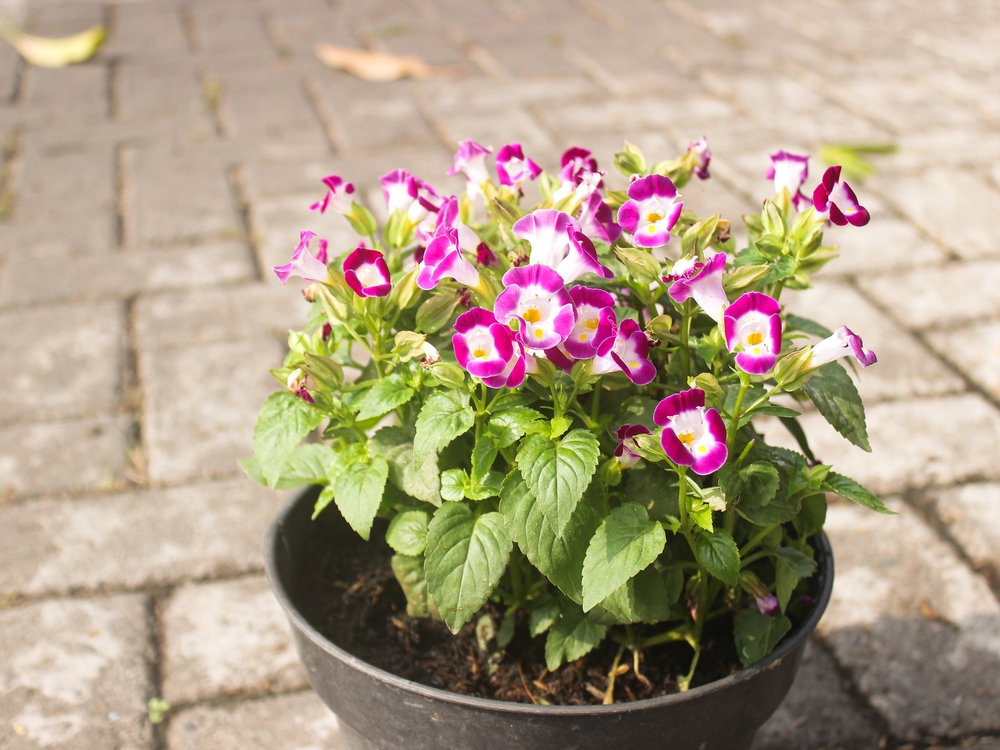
[144,194]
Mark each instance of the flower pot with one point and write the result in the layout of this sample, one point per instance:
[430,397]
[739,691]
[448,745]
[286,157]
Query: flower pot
[378,710]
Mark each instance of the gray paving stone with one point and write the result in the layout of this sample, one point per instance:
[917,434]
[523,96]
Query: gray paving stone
[938,296]
[886,244]
[227,638]
[52,457]
[817,713]
[201,404]
[916,443]
[168,92]
[368,125]
[918,630]
[144,30]
[179,319]
[905,368]
[971,513]
[28,281]
[60,361]
[975,350]
[73,674]
[80,89]
[135,539]
[290,722]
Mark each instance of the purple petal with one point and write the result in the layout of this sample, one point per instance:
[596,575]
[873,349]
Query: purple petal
[650,186]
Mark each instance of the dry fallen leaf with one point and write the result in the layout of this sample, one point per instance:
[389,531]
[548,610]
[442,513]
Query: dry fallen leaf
[53,53]
[380,67]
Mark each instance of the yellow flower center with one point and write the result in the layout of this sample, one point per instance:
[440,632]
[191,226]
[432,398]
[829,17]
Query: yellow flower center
[654,217]
[686,437]
[583,337]
[633,364]
[479,353]
[755,338]
[539,333]
[531,315]
[591,324]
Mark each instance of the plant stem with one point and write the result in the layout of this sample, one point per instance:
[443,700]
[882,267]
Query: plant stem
[609,694]
[679,633]
[685,335]
[757,539]
[737,410]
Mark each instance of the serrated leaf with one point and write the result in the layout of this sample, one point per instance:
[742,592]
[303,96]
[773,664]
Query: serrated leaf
[803,565]
[781,269]
[785,581]
[837,399]
[307,464]
[757,634]
[284,420]
[488,486]
[701,514]
[422,481]
[453,484]
[483,454]
[641,598]
[464,560]
[445,415]
[387,394]
[358,493]
[511,425]
[409,572]
[848,488]
[544,617]
[626,542]
[436,312]
[407,532]
[558,556]
[558,472]
[718,554]
[573,636]
[751,487]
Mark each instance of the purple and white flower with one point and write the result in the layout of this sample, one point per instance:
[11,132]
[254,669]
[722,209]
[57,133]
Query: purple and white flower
[557,242]
[512,166]
[575,163]
[310,267]
[693,435]
[536,297]
[835,198]
[597,221]
[443,259]
[703,281]
[594,333]
[626,435]
[448,218]
[339,196]
[843,343]
[651,210]
[753,329]
[413,197]
[471,161]
[768,605]
[488,350]
[366,273]
[789,172]
[704,157]
[629,353]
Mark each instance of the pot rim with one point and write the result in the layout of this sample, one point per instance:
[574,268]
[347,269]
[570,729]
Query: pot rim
[771,661]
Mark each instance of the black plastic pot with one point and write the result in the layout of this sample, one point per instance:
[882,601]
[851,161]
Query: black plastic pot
[380,711]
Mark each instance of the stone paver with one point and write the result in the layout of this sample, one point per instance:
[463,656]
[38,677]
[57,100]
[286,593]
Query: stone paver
[886,244]
[975,350]
[74,674]
[134,540]
[972,514]
[918,630]
[292,722]
[227,638]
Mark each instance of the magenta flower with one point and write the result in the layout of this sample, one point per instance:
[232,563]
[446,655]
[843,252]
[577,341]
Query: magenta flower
[844,342]
[626,437]
[701,151]
[768,605]
[366,273]
[557,242]
[575,163]
[597,220]
[304,263]
[703,281]
[789,172]
[512,168]
[339,195]
[630,352]
[836,198]
[753,328]
[558,356]
[485,256]
[471,161]
[692,436]
[594,333]
[443,259]
[536,297]
[447,218]
[651,210]
[413,197]
[488,350]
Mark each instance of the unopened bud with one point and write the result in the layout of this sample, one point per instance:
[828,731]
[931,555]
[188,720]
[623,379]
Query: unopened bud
[310,293]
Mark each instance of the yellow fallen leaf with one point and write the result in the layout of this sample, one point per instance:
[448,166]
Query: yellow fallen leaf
[380,67]
[53,53]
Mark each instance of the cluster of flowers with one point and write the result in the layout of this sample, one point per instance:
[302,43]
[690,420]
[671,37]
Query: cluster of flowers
[539,315]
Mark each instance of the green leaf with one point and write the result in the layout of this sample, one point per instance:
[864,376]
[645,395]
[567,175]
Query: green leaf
[848,488]
[558,556]
[751,487]
[638,410]
[794,427]
[509,426]
[782,269]
[653,488]
[407,532]
[573,636]
[812,517]
[284,420]
[642,598]
[436,312]
[785,580]
[558,472]
[719,555]
[409,571]
[837,399]
[803,565]
[701,514]
[506,632]
[307,464]
[797,323]
[464,560]
[444,416]
[454,482]
[488,486]
[384,396]
[782,508]
[626,542]
[323,370]
[641,265]
[361,220]
[483,455]
[422,481]
[543,618]
[358,493]
[757,634]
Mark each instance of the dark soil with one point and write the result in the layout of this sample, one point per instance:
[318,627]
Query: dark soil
[351,596]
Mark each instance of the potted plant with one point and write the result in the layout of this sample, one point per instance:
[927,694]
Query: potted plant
[550,416]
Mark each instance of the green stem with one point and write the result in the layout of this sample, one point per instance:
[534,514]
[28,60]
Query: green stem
[685,335]
[679,633]
[682,498]
[754,557]
[757,539]
[737,410]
